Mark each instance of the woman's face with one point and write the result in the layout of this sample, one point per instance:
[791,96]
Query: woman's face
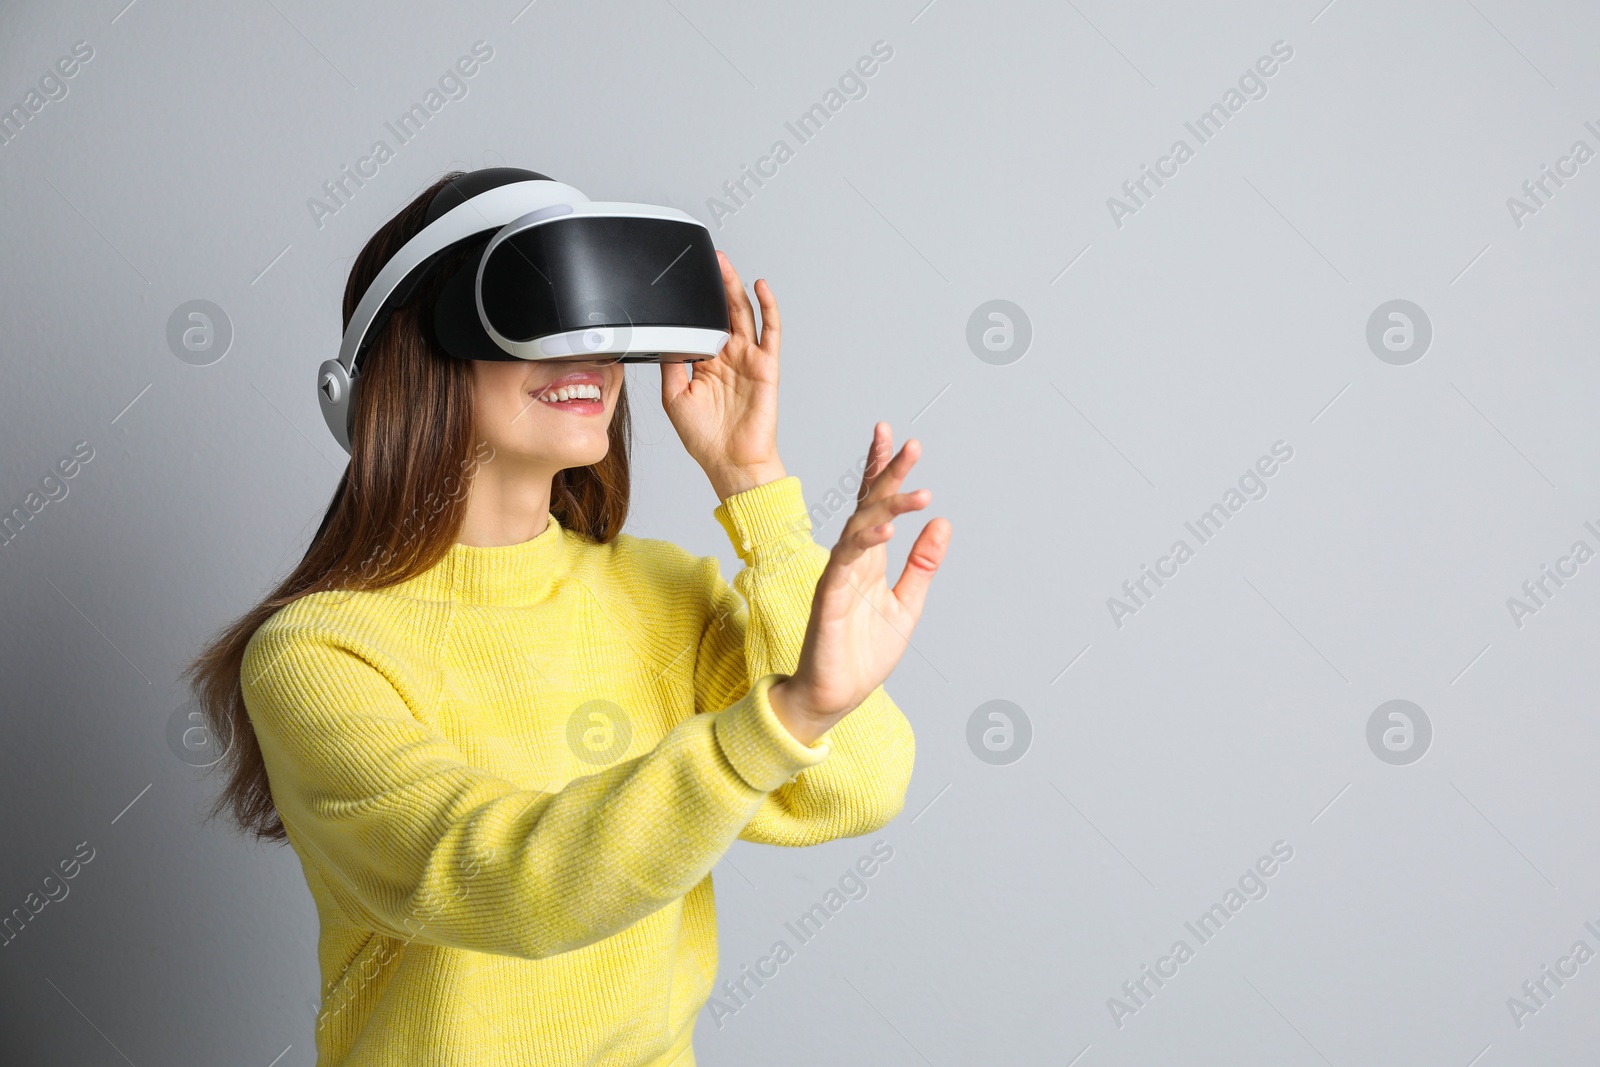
[518,410]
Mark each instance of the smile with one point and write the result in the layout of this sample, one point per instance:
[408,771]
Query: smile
[577,394]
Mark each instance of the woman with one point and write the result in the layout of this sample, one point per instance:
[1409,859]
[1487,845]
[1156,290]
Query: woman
[509,742]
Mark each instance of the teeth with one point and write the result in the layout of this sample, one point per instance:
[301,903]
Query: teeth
[571,392]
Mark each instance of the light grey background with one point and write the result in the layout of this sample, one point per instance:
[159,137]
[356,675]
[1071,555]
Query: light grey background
[1227,314]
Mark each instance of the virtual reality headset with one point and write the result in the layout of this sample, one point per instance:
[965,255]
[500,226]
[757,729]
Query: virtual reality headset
[548,275]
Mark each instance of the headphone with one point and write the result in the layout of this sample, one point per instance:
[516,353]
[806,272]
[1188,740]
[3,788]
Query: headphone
[554,276]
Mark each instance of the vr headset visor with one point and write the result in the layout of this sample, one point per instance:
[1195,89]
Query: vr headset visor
[548,275]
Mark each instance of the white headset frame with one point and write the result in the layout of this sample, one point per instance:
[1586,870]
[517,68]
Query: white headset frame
[509,209]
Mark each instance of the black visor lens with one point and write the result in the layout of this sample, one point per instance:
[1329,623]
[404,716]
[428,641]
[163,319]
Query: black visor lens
[576,273]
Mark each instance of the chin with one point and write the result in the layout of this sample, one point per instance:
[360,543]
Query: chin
[585,458]
[562,455]
[555,445]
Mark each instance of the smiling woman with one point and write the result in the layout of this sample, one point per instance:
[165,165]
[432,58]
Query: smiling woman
[490,890]
[540,418]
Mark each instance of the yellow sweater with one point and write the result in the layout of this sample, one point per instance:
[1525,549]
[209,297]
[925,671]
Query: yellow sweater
[508,779]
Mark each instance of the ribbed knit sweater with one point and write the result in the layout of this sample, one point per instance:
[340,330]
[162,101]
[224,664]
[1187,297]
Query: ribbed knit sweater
[508,779]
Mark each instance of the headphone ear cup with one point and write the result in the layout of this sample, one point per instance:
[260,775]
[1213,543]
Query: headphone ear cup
[455,314]
[336,398]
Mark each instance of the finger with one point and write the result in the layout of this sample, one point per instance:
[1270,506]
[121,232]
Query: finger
[771,327]
[854,542]
[874,525]
[883,510]
[674,380]
[922,563]
[741,316]
[877,458]
[894,473]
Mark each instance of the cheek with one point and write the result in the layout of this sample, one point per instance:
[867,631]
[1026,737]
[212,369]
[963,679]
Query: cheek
[499,408]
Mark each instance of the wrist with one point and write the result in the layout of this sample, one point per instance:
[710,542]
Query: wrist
[730,479]
[789,706]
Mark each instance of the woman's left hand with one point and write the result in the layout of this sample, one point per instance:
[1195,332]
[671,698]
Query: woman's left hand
[860,626]
[727,416]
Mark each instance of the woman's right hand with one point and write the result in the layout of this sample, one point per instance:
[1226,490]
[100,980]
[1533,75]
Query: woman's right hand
[859,626]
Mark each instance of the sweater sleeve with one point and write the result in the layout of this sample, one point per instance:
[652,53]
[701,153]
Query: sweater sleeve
[416,843]
[755,629]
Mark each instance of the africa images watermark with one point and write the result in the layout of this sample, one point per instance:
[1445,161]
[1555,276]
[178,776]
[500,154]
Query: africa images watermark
[1252,85]
[52,87]
[451,85]
[852,885]
[1252,885]
[1557,176]
[427,904]
[852,85]
[1252,486]
[54,487]
[1537,991]
[1537,592]
[799,530]
[381,554]
[55,890]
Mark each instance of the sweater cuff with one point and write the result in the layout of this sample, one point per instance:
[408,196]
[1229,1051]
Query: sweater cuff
[760,748]
[771,516]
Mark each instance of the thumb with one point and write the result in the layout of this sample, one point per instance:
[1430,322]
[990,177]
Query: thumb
[922,563]
[674,380]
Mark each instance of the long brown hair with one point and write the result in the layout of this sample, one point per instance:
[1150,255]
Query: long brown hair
[399,504]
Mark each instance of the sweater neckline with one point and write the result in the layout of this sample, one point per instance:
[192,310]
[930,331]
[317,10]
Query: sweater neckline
[517,574]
